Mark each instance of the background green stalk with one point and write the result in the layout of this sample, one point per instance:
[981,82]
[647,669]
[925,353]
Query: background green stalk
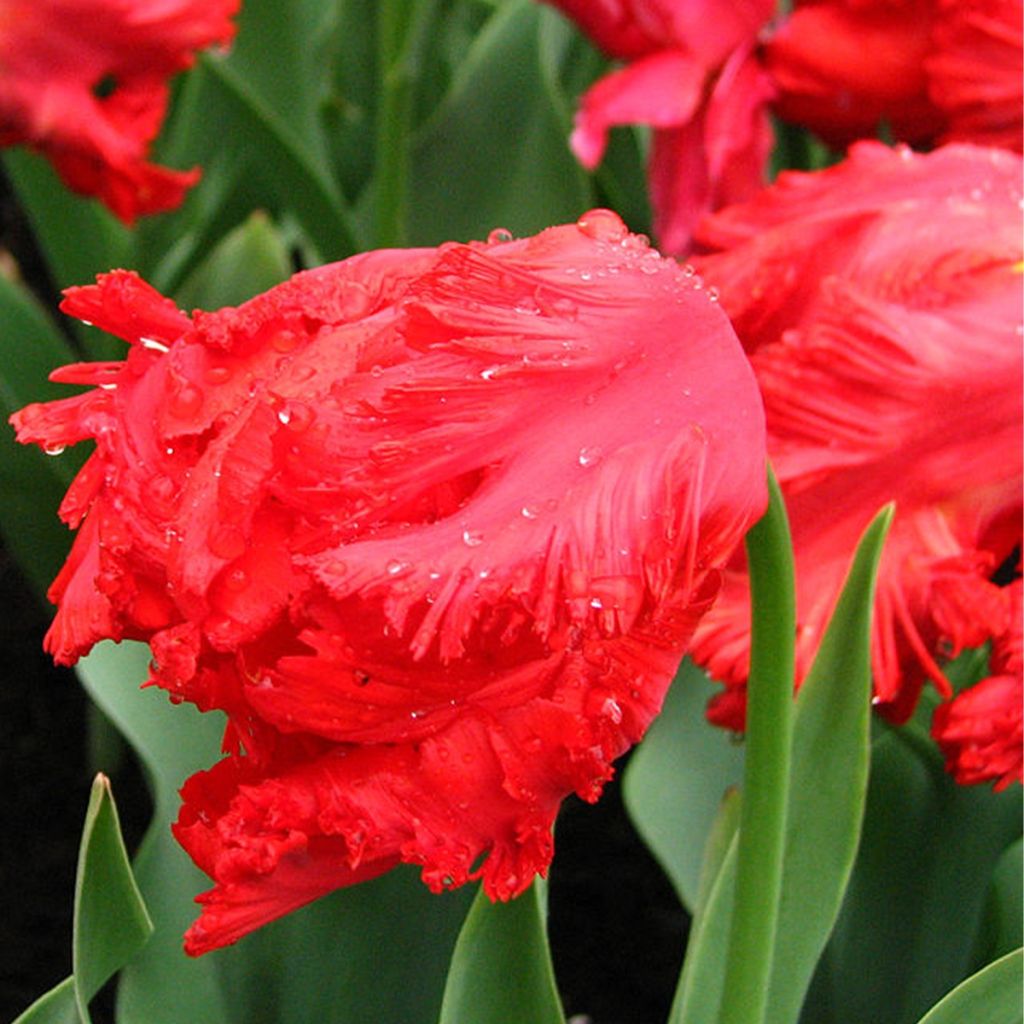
[401,32]
[766,773]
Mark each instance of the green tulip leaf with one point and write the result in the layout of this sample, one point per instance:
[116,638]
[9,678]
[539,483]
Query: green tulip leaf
[247,261]
[111,923]
[532,179]
[32,483]
[828,782]
[501,970]
[992,996]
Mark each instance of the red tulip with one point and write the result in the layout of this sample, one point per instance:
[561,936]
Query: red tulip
[433,527]
[881,304]
[692,75]
[85,83]
[981,731]
[925,70]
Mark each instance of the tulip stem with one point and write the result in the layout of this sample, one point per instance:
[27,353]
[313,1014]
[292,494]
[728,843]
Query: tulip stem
[401,31]
[766,771]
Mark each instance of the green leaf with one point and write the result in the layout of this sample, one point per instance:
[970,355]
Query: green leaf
[110,924]
[247,261]
[501,972]
[699,992]
[675,781]
[914,910]
[57,1006]
[531,179]
[992,996]
[1004,909]
[826,785]
[32,484]
[79,237]
[828,782]
[162,984]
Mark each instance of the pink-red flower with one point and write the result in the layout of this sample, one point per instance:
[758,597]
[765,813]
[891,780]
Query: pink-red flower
[85,82]
[433,527]
[981,731]
[881,304]
[926,70]
[692,75]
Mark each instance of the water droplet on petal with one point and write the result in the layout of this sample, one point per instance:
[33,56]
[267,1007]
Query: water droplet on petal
[226,541]
[472,538]
[54,449]
[284,341]
[712,294]
[396,567]
[296,416]
[218,374]
[153,345]
[237,580]
[589,456]
[499,236]
[528,512]
[602,225]
[610,709]
[185,402]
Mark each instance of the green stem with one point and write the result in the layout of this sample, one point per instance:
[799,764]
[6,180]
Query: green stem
[401,33]
[766,771]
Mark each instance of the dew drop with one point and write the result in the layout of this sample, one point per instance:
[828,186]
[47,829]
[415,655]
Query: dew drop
[499,236]
[589,457]
[610,709]
[284,341]
[472,538]
[396,567]
[376,370]
[54,449]
[226,541]
[602,225]
[296,416]
[528,512]
[218,374]
[237,580]
[185,402]
[153,345]
[712,295]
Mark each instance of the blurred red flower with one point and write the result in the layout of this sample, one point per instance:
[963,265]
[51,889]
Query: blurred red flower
[881,304]
[433,527]
[929,70]
[981,731]
[85,83]
[693,76]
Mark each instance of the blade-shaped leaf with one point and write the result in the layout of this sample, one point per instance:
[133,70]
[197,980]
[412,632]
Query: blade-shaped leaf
[992,996]
[826,799]
[31,483]
[699,992]
[57,1006]
[247,261]
[828,782]
[914,908]
[1004,910]
[111,923]
[501,971]
[674,782]
[78,236]
[533,180]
